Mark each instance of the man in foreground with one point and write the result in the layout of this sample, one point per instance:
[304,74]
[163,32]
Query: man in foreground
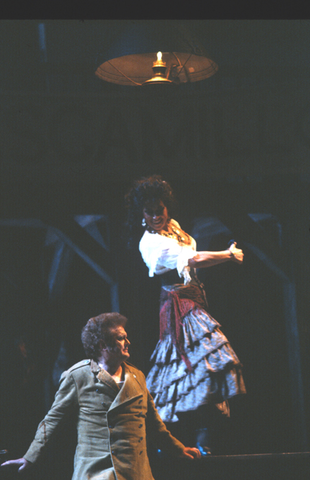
[115,411]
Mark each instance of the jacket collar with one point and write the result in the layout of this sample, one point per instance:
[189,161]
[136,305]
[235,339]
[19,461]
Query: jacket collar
[103,376]
[131,387]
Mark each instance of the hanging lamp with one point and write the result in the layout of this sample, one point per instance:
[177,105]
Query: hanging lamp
[155,52]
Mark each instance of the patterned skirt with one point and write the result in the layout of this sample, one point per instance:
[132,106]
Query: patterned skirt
[215,371]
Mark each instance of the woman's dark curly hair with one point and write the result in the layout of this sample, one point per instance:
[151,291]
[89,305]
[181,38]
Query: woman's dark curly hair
[147,190]
[97,330]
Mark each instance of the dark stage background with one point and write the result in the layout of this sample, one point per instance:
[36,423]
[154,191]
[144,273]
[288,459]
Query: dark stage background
[235,148]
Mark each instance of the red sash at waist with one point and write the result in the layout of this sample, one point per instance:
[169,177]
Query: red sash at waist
[175,304]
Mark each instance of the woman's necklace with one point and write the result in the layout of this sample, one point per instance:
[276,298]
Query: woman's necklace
[176,233]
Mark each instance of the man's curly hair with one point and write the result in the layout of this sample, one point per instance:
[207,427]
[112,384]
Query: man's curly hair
[99,329]
[144,191]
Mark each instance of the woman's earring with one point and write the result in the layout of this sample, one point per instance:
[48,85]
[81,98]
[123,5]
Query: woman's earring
[143,223]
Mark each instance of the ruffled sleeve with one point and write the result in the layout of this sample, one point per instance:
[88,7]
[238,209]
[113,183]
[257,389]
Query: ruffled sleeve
[162,254]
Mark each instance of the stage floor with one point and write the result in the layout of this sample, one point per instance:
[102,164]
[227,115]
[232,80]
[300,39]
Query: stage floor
[268,466]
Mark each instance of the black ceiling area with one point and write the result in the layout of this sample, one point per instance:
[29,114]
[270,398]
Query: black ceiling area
[236,149]
[242,122]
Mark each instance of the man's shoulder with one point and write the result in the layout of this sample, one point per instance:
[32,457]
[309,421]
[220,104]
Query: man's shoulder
[80,364]
[77,366]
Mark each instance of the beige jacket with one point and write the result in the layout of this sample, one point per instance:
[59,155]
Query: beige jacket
[112,424]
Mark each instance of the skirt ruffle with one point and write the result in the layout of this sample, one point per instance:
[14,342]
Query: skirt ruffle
[216,370]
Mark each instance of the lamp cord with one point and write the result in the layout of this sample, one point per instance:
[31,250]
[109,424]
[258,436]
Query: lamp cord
[124,74]
[180,64]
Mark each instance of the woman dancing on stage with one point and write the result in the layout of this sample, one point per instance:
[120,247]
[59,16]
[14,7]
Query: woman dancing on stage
[194,366]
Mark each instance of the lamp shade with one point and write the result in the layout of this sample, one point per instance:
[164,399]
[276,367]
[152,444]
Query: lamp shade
[129,60]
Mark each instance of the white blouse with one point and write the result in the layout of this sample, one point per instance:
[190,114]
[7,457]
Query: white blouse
[162,254]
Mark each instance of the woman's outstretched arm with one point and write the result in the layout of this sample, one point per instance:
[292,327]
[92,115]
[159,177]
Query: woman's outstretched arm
[207,259]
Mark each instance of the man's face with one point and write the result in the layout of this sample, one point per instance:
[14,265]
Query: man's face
[118,348]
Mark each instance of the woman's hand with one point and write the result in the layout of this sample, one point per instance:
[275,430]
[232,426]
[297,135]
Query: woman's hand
[21,463]
[191,453]
[236,253]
